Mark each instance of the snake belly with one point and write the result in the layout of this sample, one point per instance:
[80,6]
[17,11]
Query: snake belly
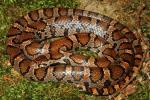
[42,46]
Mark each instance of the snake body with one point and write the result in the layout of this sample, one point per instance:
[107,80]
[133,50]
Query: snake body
[45,45]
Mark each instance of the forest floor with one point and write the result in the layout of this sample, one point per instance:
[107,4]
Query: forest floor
[133,13]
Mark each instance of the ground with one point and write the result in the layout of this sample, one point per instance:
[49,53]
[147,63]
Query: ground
[133,13]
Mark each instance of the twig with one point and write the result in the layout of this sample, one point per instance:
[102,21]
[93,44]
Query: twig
[139,15]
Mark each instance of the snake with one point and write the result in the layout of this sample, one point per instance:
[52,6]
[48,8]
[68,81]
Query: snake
[84,48]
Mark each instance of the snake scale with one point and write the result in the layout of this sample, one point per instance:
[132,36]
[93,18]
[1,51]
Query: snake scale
[50,44]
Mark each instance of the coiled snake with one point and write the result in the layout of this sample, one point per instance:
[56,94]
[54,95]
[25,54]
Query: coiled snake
[76,46]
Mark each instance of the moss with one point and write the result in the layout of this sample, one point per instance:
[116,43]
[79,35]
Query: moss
[26,90]
[15,87]
[142,94]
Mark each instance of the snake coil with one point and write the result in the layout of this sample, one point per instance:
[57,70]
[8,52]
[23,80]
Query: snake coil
[50,44]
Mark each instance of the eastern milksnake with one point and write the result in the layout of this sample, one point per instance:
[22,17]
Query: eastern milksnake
[50,44]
